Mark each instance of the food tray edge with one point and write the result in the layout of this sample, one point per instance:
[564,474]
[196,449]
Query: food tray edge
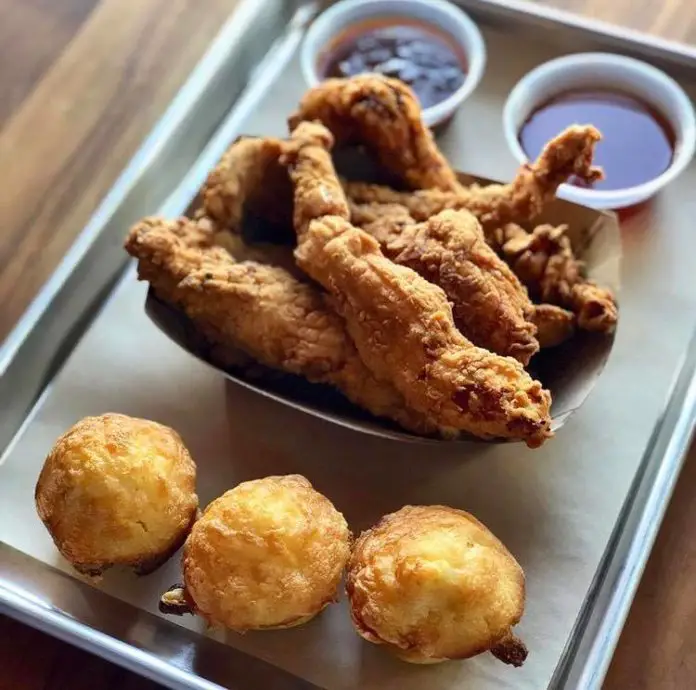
[587,656]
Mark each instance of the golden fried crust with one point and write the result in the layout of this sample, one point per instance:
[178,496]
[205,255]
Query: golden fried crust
[263,311]
[312,174]
[269,553]
[260,252]
[380,220]
[402,325]
[259,308]
[249,182]
[116,490]
[384,115]
[489,304]
[545,262]
[169,250]
[554,324]
[570,153]
[403,328]
[433,583]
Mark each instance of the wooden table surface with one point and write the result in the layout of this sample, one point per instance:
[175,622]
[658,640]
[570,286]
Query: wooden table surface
[81,83]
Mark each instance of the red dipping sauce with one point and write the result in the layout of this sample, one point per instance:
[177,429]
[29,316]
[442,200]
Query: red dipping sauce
[419,54]
[637,142]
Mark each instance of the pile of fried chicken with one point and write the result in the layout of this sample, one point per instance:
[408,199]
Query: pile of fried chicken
[422,304]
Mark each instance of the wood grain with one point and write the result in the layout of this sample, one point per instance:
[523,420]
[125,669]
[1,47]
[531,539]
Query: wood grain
[657,650]
[33,661]
[64,144]
[81,83]
[672,19]
[23,62]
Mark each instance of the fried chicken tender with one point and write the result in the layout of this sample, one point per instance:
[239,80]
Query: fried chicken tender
[260,252]
[570,153]
[401,324]
[267,554]
[544,261]
[432,583]
[489,304]
[554,325]
[315,180]
[249,189]
[380,218]
[263,310]
[384,115]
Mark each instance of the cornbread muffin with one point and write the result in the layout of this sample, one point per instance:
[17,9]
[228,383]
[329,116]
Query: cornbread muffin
[267,554]
[115,490]
[433,583]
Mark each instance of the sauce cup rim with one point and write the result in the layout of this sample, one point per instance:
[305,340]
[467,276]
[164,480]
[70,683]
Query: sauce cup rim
[328,24]
[684,127]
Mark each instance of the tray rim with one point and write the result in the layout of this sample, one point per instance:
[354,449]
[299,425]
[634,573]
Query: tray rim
[585,660]
[532,11]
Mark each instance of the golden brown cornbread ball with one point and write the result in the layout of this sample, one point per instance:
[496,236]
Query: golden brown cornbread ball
[434,584]
[115,490]
[269,553]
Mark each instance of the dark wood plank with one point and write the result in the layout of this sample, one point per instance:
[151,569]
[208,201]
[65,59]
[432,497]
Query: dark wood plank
[657,650]
[672,19]
[66,141]
[39,662]
[22,61]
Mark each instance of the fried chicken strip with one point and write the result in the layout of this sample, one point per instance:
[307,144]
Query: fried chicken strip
[554,325]
[570,153]
[250,190]
[506,321]
[490,305]
[401,324]
[261,252]
[384,115]
[261,309]
[544,261]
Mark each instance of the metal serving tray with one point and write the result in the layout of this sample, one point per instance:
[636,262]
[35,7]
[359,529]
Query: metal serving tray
[248,82]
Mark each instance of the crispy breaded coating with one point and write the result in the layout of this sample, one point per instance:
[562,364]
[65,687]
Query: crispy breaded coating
[260,252]
[249,188]
[432,583]
[490,305]
[380,220]
[402,325]
[117,490]
[267,554]
[404,330]
[544,261]
[554,325]
[315,180]
[384,115]
[570,153]
[168,251]
[261,309]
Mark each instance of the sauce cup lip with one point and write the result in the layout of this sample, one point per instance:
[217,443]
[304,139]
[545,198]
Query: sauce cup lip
[329,24]
[684,126]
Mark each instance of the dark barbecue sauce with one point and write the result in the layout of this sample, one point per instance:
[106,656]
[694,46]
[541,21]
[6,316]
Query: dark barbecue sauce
[427,59]
[637,143]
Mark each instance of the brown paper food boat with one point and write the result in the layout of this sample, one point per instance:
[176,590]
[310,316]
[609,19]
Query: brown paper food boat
[569,371]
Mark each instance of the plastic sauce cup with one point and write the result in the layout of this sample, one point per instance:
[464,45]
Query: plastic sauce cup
[605,70]
[438,13]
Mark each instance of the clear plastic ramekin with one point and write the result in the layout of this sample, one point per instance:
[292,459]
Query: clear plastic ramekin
[438,13]
[605,71]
